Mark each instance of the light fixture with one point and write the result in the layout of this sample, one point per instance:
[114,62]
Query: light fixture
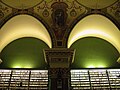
[91,66]
[96,65]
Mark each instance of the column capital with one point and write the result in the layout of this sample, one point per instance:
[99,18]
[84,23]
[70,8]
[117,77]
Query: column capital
[59,57]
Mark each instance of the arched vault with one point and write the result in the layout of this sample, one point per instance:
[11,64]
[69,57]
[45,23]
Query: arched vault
[23,26]
[96,26]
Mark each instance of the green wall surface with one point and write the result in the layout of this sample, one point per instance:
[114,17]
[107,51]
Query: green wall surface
[24,53]
[94,52]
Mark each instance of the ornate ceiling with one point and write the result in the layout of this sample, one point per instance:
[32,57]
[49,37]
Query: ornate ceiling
[25,4]
[49,11]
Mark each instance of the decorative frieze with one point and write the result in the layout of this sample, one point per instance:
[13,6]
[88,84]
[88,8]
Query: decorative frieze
[114,11]
[4,11]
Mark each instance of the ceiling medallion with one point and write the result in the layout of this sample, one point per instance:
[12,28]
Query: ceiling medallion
[45,13]
[73,13]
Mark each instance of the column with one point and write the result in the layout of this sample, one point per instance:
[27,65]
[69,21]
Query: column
[59,62]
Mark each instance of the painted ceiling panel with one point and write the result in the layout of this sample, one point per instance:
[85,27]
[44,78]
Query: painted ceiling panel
[24,4]
[96,26]
[23,26]
[94,52]
[96,4]
[21,4]
[24,53]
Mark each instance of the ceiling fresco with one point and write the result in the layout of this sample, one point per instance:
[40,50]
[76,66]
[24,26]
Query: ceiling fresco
[96,4]
[21,4]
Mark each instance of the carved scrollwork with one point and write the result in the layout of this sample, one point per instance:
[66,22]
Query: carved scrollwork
[4,12]
[73,13]
[44,7]
[115,9]
[45,13]
[1,14]
[117,13]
